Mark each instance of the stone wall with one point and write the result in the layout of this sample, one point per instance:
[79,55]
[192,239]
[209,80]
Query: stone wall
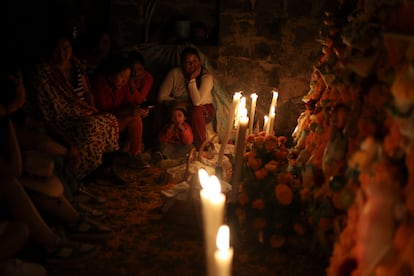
[261,45]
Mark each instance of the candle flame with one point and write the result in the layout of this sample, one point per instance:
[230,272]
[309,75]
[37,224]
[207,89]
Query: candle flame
[237,95]
[214,187]
[272,110]
[203,177]
[223,238]
[211,184]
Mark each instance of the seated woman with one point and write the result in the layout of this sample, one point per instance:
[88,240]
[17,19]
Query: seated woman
[141,81]
[17,200]
[113,94]
[70,113]
[38,164]
[176,138]
[23,210]
[192,84]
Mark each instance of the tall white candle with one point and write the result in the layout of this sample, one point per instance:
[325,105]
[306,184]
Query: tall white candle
[252,111]
[239,156]
[212,205]
[224,141]
[240,109]
[242,113]
[271,122]
[224,253]
[265,122]
[273,103]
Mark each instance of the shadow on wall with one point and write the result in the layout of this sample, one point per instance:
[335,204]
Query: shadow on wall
[286,113]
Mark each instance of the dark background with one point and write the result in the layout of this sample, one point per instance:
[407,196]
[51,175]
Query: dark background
[28,24]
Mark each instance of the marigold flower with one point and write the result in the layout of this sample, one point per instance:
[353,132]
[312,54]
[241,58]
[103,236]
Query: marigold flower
[299,229]
[252,160]
[243,198]
[284,194]
[272,166]
[280,154]
[277,241]
[260,174]
[258,204]
[259,223]
[250,138]
[270,143]
[281,140]
[285,178]
[259,140]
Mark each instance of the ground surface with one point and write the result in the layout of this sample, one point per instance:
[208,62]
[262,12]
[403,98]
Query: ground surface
[150,242]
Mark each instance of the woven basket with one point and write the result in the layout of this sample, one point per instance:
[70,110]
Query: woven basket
[206,154]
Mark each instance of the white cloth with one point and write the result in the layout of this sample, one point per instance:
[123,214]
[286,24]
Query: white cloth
[176,87]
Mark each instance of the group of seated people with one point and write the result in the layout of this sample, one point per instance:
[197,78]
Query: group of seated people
[79,112]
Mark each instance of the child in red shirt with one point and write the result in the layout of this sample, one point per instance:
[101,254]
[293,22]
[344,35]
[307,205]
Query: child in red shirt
[176,138]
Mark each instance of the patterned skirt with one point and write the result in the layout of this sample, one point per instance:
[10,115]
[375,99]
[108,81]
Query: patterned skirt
[93,135]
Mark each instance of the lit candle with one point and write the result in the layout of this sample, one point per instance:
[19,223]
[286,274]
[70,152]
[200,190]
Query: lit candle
[242,114]
[224,254]
[252,111]
[224,141]
[212,205]
[272,108]
[239,155]
[265,122]
[240,109]
[271,121]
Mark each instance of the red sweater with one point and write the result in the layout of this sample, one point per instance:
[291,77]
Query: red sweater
[173,135]
[108,99]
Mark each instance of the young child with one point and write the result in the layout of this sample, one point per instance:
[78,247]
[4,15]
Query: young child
[176,138]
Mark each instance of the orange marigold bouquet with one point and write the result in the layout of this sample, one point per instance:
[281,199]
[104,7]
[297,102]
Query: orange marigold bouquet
[269,204]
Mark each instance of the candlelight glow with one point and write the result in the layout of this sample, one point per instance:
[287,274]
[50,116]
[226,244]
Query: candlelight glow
[244,119]
[214,187]
[253,96]
[223,238]
[252,111]
[203,177]
[275,95]
[211,184]
[237,98]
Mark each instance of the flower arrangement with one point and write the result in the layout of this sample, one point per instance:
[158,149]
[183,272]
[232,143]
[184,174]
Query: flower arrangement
[269,204]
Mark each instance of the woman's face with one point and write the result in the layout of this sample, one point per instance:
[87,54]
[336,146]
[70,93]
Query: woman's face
[62,51]
[191,63]
[138,70]
[120,79]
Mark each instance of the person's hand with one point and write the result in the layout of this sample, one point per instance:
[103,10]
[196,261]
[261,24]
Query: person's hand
[180,127]
[144,112]
[196,72]
[132,84]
